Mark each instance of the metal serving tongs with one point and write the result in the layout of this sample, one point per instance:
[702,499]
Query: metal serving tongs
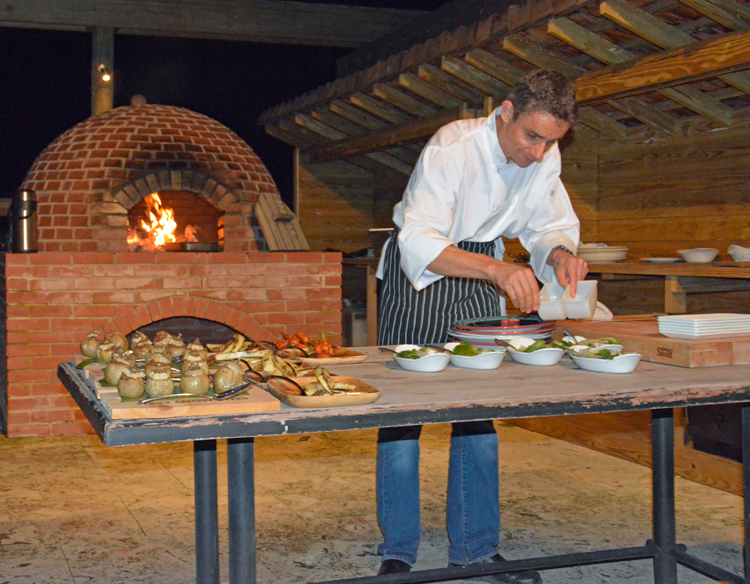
[255,380]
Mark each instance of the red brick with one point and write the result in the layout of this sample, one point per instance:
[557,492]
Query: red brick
[21,375]
[135,258]
[18,259]
[304,257]
[189,283]
[79,324]
[95,284]
[70,428]
[335,304]
[93,311]
[65,415]
[18,404]
[50,311]
[20,389]
[28,350]
[157,270]
[115,271]
[45,362]
[189,307]
[18,418]
[201,307]
[322,293]
[285,318]
[332,257]
[179,258]
[247,294]
[93,258]
[303,306]
[227,258]
[70,271]
[27,324]
[143,314]
[55,285]
[137,283]
[118,298]
[149,296]
[174,306]
[17,337]
[120,323]
[50,259]
[266,258]
[29,430]
[12,272]
[333,281]
[26,298]
[321,317]
[65,350]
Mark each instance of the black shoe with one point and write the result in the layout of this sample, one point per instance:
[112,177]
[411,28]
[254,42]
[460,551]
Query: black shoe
[526,577]
[393,567]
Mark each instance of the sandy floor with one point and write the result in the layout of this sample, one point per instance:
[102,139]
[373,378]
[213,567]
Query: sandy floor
[73,511]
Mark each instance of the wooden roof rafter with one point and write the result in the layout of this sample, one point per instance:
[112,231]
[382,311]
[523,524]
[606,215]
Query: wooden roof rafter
[649,68]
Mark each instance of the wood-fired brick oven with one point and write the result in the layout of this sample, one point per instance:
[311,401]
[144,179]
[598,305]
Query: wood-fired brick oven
[83,277]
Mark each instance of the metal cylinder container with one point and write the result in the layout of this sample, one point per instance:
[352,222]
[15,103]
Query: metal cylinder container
[23,222]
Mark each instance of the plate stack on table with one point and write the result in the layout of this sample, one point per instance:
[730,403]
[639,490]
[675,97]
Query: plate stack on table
[482,332]
[597,253]
[704,326]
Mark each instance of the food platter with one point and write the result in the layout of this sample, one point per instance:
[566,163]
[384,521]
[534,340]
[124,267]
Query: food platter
[286,393]
[341,356]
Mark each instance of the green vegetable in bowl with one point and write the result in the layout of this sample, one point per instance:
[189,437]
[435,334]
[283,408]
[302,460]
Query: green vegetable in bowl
[561,344]
[600,342]
[464,348]
[417,353]
[600,353]
[535,346]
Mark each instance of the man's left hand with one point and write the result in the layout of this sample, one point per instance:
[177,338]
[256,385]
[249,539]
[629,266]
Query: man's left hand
[569,269]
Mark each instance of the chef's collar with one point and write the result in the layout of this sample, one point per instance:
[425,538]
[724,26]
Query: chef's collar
[498,156]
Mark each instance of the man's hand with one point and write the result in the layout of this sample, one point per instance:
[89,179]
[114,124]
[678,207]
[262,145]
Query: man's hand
[519,284]
[569,269]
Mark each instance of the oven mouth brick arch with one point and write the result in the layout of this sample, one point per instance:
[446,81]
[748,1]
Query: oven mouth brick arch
[188,306]
[197,183]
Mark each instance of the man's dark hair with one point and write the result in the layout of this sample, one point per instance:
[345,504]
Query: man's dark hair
[544,90]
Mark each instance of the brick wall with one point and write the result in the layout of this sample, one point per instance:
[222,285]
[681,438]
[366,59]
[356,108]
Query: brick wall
[88,178]
[54,299]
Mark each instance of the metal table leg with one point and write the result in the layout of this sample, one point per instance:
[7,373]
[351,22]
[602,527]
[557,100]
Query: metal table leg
[746,482]
[240,468]
[206,513]
[662,463]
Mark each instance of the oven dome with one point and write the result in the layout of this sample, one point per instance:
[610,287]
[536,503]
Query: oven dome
[88,178]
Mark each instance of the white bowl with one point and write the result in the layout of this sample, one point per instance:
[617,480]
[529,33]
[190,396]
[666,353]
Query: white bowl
[583,304]
[451,345]
[400,348]
[540,357]
[582,349]
[701,255]
[620,364]
[739,254]
[489,360]
[551,305]
[520,343]
[426,364]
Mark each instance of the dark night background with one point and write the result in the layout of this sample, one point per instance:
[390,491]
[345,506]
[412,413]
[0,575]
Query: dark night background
[45,86]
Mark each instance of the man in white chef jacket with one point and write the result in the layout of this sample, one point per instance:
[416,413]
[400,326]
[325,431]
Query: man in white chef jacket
[475,182]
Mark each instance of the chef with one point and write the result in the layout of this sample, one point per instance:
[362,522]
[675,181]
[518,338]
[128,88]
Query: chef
[475,182]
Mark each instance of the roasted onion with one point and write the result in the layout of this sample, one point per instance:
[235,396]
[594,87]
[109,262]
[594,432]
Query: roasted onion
[90,344]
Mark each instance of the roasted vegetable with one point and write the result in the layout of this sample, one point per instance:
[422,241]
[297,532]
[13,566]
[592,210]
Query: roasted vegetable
[464,348]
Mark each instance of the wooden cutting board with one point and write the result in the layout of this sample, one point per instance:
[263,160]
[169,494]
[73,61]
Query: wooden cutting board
[254,401]
[644,338]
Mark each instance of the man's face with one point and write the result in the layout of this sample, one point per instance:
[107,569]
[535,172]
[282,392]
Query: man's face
[526,140]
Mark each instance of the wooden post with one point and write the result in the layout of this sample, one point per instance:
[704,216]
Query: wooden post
[102,63]
[675,298]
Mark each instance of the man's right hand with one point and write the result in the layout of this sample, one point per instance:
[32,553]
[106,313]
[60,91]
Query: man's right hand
[519,284]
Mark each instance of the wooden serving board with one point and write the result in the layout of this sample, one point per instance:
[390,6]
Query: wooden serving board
[340,357]
[644,338]
[289,394]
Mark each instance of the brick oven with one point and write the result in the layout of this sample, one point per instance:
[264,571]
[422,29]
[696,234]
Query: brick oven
[89,183]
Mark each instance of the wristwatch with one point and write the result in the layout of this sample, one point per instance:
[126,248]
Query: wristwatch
[562,247]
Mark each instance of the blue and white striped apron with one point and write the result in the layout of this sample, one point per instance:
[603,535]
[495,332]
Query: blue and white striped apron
[408,316]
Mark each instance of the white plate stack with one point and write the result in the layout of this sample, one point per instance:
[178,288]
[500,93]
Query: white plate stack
[596,253]
[705,326]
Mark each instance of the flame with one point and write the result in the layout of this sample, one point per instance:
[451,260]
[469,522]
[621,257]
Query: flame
[160,228]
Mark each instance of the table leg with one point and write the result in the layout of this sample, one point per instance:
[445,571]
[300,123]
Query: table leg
[746,482]
[206,513]
[240,468]
[662,463]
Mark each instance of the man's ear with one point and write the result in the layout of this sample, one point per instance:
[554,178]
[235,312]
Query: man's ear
[506,113]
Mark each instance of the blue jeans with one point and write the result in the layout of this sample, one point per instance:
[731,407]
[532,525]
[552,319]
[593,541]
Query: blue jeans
[473,515]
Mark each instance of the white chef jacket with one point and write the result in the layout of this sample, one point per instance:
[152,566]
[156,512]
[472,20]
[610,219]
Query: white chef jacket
[464,189]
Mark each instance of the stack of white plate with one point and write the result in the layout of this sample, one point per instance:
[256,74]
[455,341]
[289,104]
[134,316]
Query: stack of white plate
[595,253]
[705,326]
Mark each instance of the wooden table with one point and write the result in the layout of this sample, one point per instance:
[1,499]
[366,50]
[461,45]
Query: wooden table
[682,278]
[513,391]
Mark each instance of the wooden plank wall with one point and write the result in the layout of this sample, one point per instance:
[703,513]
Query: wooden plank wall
[334,203]
[680,193]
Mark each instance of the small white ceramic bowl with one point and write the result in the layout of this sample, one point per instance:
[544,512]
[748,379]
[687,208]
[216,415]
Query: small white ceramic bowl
[701,255]
[400,348]
[739,254]
[582,349]
[521,343]
[620,364]
[426,364]
[583,304]
[489,360]
[540,357]
[551,305]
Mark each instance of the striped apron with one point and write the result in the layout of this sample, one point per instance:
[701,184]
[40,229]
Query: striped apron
[408,316]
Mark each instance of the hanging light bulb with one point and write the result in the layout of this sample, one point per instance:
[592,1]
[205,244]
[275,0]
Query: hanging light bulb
[106,76]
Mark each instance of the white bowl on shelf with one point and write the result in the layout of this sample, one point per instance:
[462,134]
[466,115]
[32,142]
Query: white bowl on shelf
[540,357]
[488,360]
[427,364]
[551,305]
[620,364]
[700,255]
[583,304]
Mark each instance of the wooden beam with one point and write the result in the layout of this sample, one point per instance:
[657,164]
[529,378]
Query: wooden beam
[102,63]
[470,75]
[428,91]
[661,34]
[382,139]
[733,15]
[450,84]
[403,101]
[379,108]
[492,65]
[269,22]
[717,56]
